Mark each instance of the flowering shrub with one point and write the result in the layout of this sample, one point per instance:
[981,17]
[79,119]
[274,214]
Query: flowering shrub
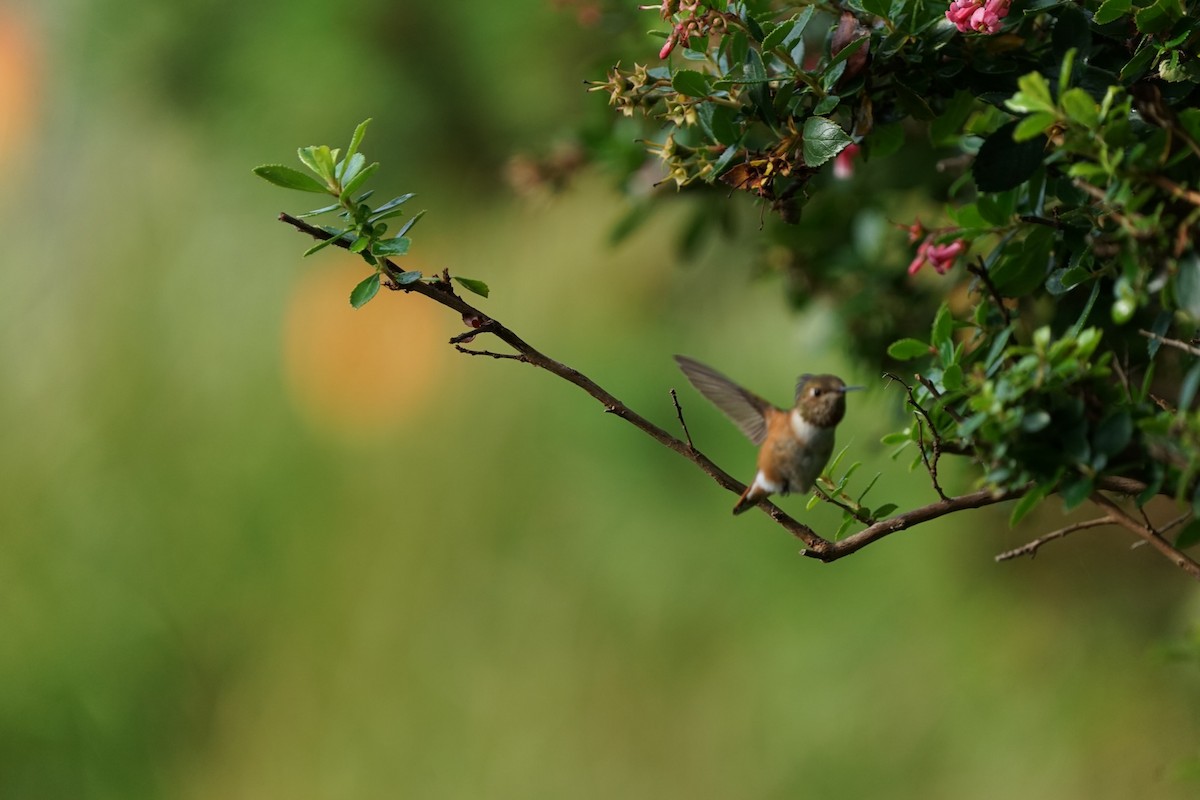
[1054,144]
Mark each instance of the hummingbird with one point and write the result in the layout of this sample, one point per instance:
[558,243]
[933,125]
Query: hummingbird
[795,444]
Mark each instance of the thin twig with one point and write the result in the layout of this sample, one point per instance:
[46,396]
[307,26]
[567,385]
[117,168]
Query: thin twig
[682,424]
[1176,343]
[514,356]
[936,445]
[1031,548]
[928,384]
[978,269]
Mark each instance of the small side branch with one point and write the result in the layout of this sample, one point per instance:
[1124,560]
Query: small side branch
[931,466]
[980,271]
[1176,343]
[1031,548]
[682,424]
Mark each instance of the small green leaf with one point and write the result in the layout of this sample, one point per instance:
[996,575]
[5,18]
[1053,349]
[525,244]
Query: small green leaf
[1111,10]
[408,225]
[1027,503]
[321,245]
[1033,95]
[847,51]
[823,140]
[884,510]
[952,378]
[908,349]
[290,178]
[778,34]
[478,287]
[943,326]
[354,183]
[1033,125]
[691,83]
[1075,492]
[405,278]
[397,246]
[363,293]
[1081,108]
[947,126]
[357,138]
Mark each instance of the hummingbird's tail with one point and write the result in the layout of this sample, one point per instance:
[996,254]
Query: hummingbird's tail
[749,498]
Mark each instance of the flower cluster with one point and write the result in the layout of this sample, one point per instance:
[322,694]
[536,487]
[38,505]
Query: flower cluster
[939,256]
[694,21]
[626,91]
[981,16]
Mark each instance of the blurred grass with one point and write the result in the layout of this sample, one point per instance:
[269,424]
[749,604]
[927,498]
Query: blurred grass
[217,586]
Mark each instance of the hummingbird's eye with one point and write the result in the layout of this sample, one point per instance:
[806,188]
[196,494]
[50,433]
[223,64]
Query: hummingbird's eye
[816,392]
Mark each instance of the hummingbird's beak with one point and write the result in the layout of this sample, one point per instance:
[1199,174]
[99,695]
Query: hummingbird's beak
[852,389]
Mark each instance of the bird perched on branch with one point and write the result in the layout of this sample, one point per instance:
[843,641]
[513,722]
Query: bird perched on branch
[795,444]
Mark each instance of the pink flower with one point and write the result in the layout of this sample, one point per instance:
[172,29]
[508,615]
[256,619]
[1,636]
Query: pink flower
[915,231]
[981,16]
[843,165]
[939,256]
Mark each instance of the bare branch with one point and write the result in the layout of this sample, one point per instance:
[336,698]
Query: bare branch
[1176,556]
[1178,345]
[440,290]
[1031,548]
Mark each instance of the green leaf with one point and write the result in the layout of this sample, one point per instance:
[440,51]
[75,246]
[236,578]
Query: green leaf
[1081,108]
[908,349]
[1003,164]
[396,246]
[1033,95]
[947,126]
[408,225]
[1027,503]
[363,293]
[778,34]
[847,51]
[1187,390]
[1187,285]
[691,83]
[1113,434]
[1034,125]
[357,138]
[1111,10]
[1158,17]
[885,140]
[320,159]
[952,378]
[352,186]
[943,327]
[290,178]
[1075,492]
[405,278]
[911,102]
[823,140]
[478,287]
[321,245]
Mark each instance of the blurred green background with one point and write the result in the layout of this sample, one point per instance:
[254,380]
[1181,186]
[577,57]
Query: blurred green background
[254,544]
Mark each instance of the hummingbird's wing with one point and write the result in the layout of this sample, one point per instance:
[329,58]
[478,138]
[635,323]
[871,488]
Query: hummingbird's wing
[747,410]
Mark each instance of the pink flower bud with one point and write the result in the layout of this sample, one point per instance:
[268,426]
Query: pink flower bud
[843,165]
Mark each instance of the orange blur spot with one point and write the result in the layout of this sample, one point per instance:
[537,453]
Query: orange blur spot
[364,372]
[20,70]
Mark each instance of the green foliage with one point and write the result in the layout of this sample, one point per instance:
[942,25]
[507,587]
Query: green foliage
[1070,144]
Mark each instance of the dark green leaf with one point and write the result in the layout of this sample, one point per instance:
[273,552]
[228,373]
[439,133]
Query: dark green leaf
[1189,536]
[1161,323]
[478,287]
[397,246]
[1187,284]
[778,34]
[318,211]
[1113,434]
[880,8]
[884,510]
[290,178]
[691,83]
[1003,164]
[913,103]
[1076,491]
[405,278]
[321,245]
[947,126]
[823,140]
[1158,17]
[908,349]
[363,293]
[943,326]
[847,51]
